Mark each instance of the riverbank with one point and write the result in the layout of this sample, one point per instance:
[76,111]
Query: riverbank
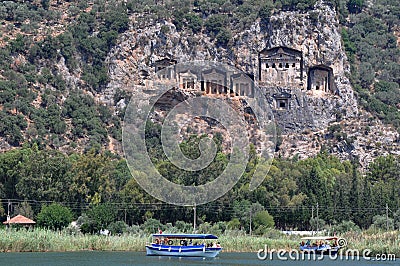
[40,240]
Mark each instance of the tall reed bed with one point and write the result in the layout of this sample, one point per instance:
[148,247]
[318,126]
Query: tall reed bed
[46,240]
[38,240]
[378,242]
[253,244]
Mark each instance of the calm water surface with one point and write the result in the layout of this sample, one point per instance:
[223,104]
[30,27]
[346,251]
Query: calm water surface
[139,258]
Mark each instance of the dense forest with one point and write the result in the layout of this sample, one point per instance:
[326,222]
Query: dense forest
[295,192]
[302,194]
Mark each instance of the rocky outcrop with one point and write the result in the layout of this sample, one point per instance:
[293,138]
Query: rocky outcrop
[315,33]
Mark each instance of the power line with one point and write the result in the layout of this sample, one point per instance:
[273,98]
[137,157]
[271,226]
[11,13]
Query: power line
[159,206]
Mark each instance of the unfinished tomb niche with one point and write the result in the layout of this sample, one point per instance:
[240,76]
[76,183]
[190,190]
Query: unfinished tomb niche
[280,66]
[320,78]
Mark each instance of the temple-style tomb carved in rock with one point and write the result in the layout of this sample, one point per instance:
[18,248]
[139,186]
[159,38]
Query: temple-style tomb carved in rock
[241,86]
[280,66]
[281,74]
[292,87]
[214,82]
[164,63]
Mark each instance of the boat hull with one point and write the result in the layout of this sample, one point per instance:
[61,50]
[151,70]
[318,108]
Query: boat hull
[182,251]
[320,250]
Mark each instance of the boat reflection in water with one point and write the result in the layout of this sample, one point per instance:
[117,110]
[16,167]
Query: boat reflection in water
[184,245]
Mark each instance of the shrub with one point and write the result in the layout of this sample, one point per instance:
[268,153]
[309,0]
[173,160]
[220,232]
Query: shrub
[234,224]
[183,227]
[316,224]
[346,226]
[152,226]
[380,222]
[118,227]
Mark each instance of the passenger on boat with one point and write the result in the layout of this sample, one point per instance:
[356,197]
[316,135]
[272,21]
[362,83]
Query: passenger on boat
[218,245]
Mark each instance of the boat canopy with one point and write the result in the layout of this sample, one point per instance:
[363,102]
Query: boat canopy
[188,236]
[320,238]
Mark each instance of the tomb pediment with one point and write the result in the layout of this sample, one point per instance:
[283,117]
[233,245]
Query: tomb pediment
[187,74]
[280,52]
[214,74]
[321,67]
[282,95]
[242,77]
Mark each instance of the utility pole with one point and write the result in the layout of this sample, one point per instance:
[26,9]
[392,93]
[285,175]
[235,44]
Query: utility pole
[317,219]
[312,217]
[8,210]
[312,212]
[387,217]
[250,221]
[194,218]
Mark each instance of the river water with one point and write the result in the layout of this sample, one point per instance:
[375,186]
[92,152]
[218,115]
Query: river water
[97,258]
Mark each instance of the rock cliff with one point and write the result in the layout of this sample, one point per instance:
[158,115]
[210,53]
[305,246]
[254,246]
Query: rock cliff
[306,116]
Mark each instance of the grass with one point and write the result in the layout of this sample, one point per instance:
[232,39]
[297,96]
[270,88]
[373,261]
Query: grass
[39,240]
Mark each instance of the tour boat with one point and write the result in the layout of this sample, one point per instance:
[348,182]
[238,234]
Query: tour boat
[184,245]
[322,244]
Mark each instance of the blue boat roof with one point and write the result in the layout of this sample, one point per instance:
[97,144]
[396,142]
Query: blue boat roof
[192,236]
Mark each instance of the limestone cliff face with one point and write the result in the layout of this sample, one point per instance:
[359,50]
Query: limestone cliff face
[315,34]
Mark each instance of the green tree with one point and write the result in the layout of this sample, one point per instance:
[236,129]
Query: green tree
[101,215]
[194,22]
[223,37]
[91,178]
[234,224]
[265,12]
[54,216]
[264,219]
[355,6]
[45,176]
[24,209]
[118,227]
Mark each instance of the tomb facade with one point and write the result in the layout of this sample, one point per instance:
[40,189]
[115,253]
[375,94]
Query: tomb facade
[280,66]
[320,78]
